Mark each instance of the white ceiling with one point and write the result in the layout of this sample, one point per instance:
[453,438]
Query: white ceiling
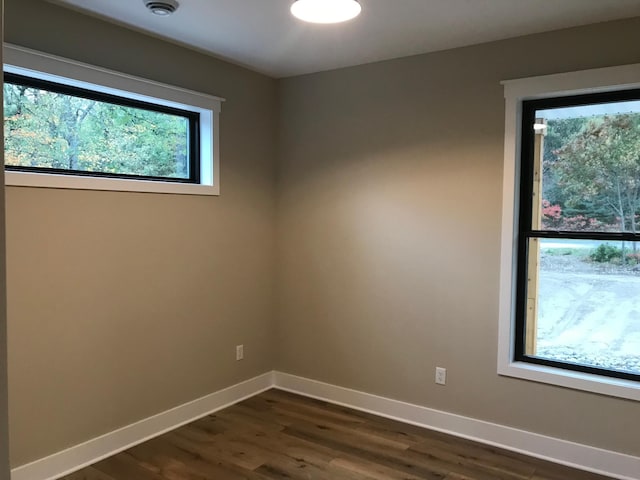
[264,36]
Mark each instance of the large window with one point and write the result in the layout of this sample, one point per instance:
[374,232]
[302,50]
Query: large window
[569,311]
[578,295]
[72,125]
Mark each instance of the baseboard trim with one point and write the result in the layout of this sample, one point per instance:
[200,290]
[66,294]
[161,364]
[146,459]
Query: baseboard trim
[80,456]
[583,457]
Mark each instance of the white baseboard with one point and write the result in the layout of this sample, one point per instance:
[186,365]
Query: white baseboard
[584,457]
[79,456]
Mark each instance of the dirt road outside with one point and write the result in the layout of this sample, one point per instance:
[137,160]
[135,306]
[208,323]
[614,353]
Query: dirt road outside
[589,313]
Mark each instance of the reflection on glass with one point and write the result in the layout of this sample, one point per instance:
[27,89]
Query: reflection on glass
[588,303]
[588,160]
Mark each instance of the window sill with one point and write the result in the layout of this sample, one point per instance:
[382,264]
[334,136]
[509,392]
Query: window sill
[569,379]
[47,180]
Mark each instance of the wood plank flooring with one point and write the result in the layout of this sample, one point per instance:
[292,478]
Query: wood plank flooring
[278,435]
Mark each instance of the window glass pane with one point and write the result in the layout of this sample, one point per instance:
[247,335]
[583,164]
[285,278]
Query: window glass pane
[588,161]
[45,129]
[587,298]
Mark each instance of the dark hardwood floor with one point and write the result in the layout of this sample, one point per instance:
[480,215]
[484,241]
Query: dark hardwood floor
[278,435]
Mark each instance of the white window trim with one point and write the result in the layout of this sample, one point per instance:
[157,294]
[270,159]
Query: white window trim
[515,91]
[69,72]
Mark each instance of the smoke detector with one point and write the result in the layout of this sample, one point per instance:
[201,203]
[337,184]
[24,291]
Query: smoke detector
[162,8]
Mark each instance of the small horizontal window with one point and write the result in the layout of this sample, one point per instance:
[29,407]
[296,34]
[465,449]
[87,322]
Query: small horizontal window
[71,125]
[55,128]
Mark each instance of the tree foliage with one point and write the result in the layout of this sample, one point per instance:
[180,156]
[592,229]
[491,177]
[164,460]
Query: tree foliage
[559,132]
[55,130]
[598,168]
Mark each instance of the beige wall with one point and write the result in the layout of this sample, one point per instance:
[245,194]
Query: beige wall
[389,204]
[122,305]
[4,424]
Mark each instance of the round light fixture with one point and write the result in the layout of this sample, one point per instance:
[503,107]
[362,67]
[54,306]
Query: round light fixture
[162,8]
[325,11]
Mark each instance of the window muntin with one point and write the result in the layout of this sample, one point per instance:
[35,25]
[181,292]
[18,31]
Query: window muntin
[56,128]
[578,256]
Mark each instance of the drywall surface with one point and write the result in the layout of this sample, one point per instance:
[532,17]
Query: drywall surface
[389,211]
[122,305]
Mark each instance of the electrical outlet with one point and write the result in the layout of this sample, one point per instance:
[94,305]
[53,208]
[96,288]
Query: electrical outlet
[441,376]
[239,352]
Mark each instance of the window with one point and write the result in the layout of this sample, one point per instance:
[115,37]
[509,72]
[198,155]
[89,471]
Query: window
[70,125]
[50,127]
[578,295]
[570,268]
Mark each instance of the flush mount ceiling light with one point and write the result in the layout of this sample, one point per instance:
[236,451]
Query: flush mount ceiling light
[325,11]
[162,7]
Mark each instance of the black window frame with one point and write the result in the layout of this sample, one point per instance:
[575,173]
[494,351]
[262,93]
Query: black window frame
[526,232]
[56,87]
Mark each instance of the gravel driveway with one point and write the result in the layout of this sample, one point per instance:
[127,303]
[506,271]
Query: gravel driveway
[589,313]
